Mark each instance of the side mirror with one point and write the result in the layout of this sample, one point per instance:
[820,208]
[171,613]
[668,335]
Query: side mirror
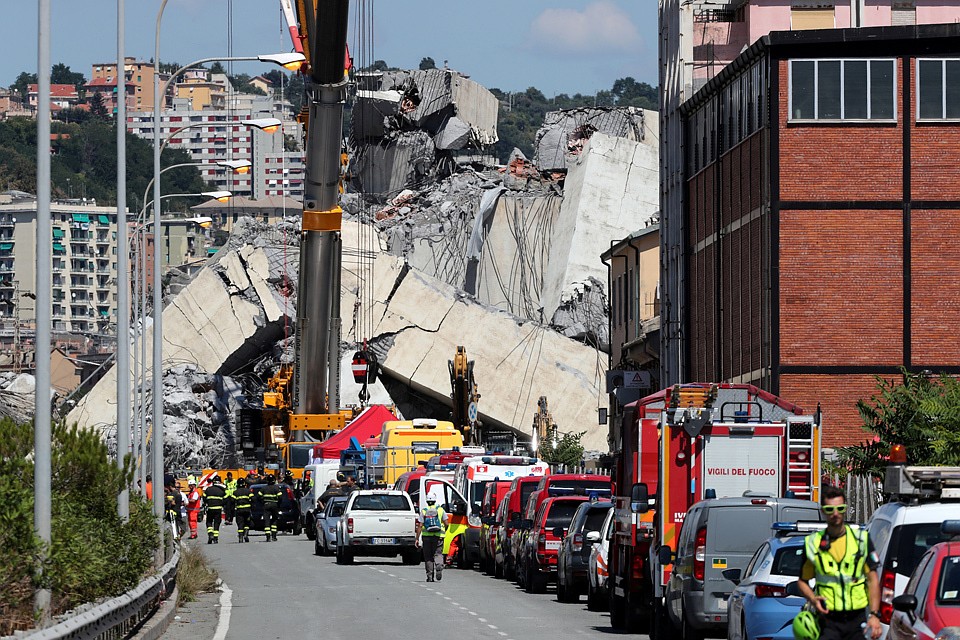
[665,554]
[793,589]
[557,532]
[639,498]
[526,524]
[514,522]
[459,508]
[908,604]
[733,575]
[593,536]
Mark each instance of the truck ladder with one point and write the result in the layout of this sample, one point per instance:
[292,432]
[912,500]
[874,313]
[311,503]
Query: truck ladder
[802,457]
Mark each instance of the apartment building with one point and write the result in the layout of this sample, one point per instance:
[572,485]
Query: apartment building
[822,220]
[84,247]
[62,96]
[202,93]
[213,135]
[699,39]
[107,90]
[138,73]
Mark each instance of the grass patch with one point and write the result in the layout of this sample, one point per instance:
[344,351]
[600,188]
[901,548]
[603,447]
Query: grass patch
[194,575]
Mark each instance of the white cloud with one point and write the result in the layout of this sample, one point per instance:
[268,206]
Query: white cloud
[602,27]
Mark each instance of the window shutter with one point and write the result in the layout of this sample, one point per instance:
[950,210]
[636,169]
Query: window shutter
[802,19]
[904,13]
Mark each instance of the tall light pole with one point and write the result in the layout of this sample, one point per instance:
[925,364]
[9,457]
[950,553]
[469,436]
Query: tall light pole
[43,287]
[124,423]
[287,60]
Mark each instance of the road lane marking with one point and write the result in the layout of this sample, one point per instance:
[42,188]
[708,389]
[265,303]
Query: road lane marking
[223,624]
[492,627]
[502,634]
[482,619]
[456,604]
[445,597]
[471,613]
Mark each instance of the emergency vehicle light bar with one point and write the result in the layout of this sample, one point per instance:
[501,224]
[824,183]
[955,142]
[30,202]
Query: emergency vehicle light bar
[799,526]
[577,491]
[513,460]
[950,527]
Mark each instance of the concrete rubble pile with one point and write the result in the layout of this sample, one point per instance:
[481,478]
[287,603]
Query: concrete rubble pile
[17,400]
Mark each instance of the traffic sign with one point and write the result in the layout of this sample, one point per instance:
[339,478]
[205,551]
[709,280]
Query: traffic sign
[472,412]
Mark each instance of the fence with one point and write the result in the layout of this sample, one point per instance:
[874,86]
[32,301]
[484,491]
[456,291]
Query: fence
[114,618]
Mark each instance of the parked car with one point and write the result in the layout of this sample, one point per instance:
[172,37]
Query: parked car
[509,532]
[759,606]
[289,519]
[573,559]
[901,533]
[326,526]
[930,603]
[597,572]
[493,495]
[719,534]
[538,559]
[377,523]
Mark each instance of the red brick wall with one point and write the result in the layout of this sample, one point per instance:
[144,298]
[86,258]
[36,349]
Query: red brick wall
[935,287]
[841,293]
[935,172]
[831,162]
[837,395]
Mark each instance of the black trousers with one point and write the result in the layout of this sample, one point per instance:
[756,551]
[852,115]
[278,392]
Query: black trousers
[213,521]
[843,625]
[228,509]
[243,520]
[271,513]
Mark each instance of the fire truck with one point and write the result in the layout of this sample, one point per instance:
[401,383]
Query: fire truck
[684,444]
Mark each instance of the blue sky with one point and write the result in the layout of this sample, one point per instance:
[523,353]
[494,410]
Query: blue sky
[558,46]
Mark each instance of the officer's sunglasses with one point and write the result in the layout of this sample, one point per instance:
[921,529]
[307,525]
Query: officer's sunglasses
[830,508]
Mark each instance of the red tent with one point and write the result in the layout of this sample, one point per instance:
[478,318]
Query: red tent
[367,425]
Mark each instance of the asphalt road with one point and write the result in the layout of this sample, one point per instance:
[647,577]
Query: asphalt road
[282,590]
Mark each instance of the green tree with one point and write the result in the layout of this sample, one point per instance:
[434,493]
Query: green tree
[97,108]
[21,84]
[168,67]
[61,74]
[378,65]
[216,67]
[427,63]
[922,413]
[241,83]
[568,450]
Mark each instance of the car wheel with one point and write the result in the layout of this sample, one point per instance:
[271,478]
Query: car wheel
[538,582]
[688,631]
[618,611]
[318,549]
[594,599]
[344,556]
[661,627]
[743,629]
[297,527]
[497,569]
[411,558]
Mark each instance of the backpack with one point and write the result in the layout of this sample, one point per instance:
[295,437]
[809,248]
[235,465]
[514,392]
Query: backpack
[431,520]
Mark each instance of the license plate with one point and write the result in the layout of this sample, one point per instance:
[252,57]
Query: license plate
[384,541]
[721,604]
[553,544]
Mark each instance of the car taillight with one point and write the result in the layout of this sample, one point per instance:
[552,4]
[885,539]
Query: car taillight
[771,591]
[578,540]
[637,566]
[289,493]
[700,553]
[349,525]
[888,583]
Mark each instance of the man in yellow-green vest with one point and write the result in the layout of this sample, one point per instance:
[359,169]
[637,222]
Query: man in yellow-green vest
[229,503]
[842,560]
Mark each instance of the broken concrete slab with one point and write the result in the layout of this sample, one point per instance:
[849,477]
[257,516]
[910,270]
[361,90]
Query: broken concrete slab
[611,189]
[564,133]
[384,169]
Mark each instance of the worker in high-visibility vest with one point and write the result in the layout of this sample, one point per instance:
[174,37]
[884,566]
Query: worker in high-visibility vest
[229,504]
[194,499]
[430,528]
[847,594]
[243,499]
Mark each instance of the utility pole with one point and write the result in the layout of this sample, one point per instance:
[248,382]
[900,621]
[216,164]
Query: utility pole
[123,269]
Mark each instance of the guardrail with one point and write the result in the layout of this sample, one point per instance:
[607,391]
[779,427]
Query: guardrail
[117,617]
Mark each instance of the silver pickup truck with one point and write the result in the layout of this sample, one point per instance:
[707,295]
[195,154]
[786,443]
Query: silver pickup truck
[378,523]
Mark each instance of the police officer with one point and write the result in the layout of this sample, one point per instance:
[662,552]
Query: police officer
[213,497]
[243,499]
[847,594]
[430,528]
[229,503]
[270,495]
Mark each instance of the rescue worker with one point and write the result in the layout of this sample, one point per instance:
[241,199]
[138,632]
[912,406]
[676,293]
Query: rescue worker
[230,485]
[270,495]
[194,498]
[243,499]
[350,486]
[430,528]
[847,594]
[213,499]
[333,489]
[171,509]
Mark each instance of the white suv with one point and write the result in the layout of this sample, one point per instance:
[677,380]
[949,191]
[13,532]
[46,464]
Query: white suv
[901,532]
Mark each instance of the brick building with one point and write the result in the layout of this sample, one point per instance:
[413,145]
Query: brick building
[822,215]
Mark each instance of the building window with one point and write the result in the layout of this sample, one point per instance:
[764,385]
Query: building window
[842,90]
[938,92]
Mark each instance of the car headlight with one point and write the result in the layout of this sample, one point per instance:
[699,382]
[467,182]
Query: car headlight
[949,633]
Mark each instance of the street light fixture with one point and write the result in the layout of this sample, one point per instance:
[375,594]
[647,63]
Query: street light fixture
[289,61]
[269,125]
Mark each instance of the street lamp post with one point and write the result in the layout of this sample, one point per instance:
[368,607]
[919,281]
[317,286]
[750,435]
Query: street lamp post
[287,60]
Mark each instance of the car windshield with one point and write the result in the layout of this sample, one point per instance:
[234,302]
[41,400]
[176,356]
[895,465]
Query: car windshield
[586,485]
[525,490]
[788,562]
[336,508]
[561,513]
[595,519]
[912,542]
[948,593]
[380,503]
[300,455]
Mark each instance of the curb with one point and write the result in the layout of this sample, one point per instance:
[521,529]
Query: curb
[160,621]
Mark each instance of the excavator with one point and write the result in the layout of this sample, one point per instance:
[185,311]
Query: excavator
[464,397]
[301,404]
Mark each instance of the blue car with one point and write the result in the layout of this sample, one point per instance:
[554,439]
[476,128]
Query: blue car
[759,608]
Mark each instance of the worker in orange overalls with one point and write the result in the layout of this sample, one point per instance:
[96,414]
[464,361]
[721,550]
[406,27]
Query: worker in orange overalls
[194,498]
